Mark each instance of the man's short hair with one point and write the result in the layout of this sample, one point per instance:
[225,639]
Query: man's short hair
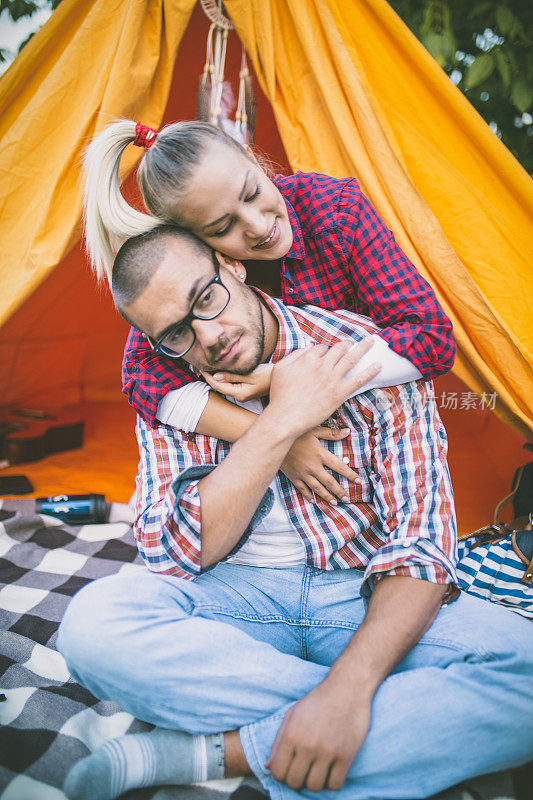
[139,258]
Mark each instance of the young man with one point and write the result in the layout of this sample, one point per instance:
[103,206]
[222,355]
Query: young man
[320,646]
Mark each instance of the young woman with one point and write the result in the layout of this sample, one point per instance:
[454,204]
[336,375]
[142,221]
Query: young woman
[330,246]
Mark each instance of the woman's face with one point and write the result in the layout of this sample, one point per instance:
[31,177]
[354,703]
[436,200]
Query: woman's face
[232,205]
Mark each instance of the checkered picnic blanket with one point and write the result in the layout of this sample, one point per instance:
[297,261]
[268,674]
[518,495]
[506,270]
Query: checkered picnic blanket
[47,721]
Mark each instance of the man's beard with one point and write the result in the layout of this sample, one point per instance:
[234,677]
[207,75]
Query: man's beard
[257,331]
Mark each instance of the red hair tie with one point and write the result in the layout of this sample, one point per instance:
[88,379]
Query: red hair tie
[144,135]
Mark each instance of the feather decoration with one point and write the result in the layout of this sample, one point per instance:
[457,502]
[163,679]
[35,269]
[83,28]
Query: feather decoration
[215,100]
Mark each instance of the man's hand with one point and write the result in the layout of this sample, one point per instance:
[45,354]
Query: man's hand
[308,385]
[319,738]
[306,462]
[242,387]
[321,735]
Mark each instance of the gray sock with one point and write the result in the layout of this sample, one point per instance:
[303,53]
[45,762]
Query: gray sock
[159,758]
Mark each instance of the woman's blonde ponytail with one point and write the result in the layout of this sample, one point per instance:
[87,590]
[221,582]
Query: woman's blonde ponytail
[108,218]
[163,177]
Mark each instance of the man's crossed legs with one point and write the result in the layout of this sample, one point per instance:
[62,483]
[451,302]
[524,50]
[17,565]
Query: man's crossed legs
[235,648]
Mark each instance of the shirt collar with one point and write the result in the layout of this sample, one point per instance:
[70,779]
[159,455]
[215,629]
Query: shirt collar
[297,248]
[290,335]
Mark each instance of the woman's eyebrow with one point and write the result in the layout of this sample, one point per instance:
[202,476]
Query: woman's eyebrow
[211,224]
[241,195]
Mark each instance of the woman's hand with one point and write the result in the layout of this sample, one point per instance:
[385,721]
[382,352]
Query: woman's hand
[306,462]
[242,387]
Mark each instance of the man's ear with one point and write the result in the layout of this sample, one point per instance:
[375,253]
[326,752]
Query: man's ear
[235,267]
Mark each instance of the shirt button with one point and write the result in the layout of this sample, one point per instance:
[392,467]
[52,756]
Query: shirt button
[291,290]
[346,459]
[406,544]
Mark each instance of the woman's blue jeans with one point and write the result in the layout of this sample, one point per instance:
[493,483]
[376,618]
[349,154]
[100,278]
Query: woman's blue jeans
[236,647]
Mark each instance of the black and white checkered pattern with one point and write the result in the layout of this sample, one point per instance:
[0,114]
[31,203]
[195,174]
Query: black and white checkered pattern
[47,721]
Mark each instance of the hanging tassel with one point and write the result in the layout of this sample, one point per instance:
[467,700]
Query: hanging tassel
[203,101]
[245,117]
[250,106]
[209,99]
[215,100]
[203,98]
[219,61]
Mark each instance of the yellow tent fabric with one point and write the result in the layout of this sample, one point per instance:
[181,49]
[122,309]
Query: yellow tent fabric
[90,63]
[353,92]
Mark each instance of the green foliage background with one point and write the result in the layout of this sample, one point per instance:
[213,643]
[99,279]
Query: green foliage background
[485,48]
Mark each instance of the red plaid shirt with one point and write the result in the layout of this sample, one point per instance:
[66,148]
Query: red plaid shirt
[342,257]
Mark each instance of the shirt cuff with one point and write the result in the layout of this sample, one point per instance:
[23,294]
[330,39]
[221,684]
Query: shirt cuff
[414,557]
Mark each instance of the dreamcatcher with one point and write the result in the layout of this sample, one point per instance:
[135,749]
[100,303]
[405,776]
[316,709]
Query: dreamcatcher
[216,101]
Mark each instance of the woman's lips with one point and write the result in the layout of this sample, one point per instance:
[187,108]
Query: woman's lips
[272,239]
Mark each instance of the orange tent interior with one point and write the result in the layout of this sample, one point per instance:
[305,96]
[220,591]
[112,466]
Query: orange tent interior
[64,345]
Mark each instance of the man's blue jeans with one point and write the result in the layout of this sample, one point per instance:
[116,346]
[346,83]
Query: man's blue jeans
[235,648]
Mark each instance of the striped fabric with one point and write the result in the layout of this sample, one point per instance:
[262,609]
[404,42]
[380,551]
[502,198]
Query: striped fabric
[494,572]
[399,521]
[342,256]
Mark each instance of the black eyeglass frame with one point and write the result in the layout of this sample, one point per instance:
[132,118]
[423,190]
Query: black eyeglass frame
[158,346]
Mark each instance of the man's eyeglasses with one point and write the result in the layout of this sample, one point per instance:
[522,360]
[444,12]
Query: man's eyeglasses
[211,302]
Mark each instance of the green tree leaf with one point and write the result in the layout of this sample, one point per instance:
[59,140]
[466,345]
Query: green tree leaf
[522,94]
[504,18]
[449,44]
[481,8]
[503,63]
[517,29]
[17,9]
[467,21]
[479,70]
[437,46]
